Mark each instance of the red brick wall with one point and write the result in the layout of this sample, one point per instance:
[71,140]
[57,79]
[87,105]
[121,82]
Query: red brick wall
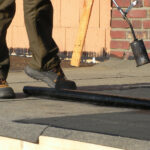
[120,32]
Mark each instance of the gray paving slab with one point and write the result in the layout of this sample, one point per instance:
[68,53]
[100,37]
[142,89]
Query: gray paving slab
[65,119]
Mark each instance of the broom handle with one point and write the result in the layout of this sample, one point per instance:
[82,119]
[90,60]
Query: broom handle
[80,39]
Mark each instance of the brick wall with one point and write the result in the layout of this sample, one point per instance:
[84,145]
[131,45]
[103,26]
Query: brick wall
[66,21]
[120,32]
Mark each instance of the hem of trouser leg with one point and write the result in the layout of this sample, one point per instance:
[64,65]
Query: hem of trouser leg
[54,64]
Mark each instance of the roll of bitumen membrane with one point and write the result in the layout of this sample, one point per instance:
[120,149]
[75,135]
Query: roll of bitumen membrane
[85,96]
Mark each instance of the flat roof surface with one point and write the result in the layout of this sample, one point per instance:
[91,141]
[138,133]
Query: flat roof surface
[28,117]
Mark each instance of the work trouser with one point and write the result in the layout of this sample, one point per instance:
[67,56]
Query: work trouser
[39,22]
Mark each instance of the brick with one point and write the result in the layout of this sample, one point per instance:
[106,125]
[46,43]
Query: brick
[137,14]
[119,24]
[140,4]
[148,13]
[118,34]
[123,24]
[146,24]
[139,35]
[148,34]
[122,3]
[116,14]
[147,3]
[119,45]
[137,24]
[59,37]
[147,44]
[118,54]
[67,8]
[56,13]
[131,14]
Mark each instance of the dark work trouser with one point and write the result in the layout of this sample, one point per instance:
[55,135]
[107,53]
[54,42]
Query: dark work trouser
[38,16]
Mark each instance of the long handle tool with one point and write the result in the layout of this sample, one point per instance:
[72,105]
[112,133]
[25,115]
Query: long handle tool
[137,46]
[79,43]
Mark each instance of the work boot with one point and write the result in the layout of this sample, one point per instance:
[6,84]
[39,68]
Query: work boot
[5,90]
[55,78]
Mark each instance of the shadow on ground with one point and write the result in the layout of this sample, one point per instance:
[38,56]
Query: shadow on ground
[133,124]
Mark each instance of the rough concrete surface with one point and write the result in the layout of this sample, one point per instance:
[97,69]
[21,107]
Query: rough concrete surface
[27,118]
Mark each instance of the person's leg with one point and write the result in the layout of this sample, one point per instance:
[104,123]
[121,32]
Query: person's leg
[7,11]
[39,24]
[45,64]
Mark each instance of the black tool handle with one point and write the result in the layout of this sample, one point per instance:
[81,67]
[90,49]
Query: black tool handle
[125,18]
